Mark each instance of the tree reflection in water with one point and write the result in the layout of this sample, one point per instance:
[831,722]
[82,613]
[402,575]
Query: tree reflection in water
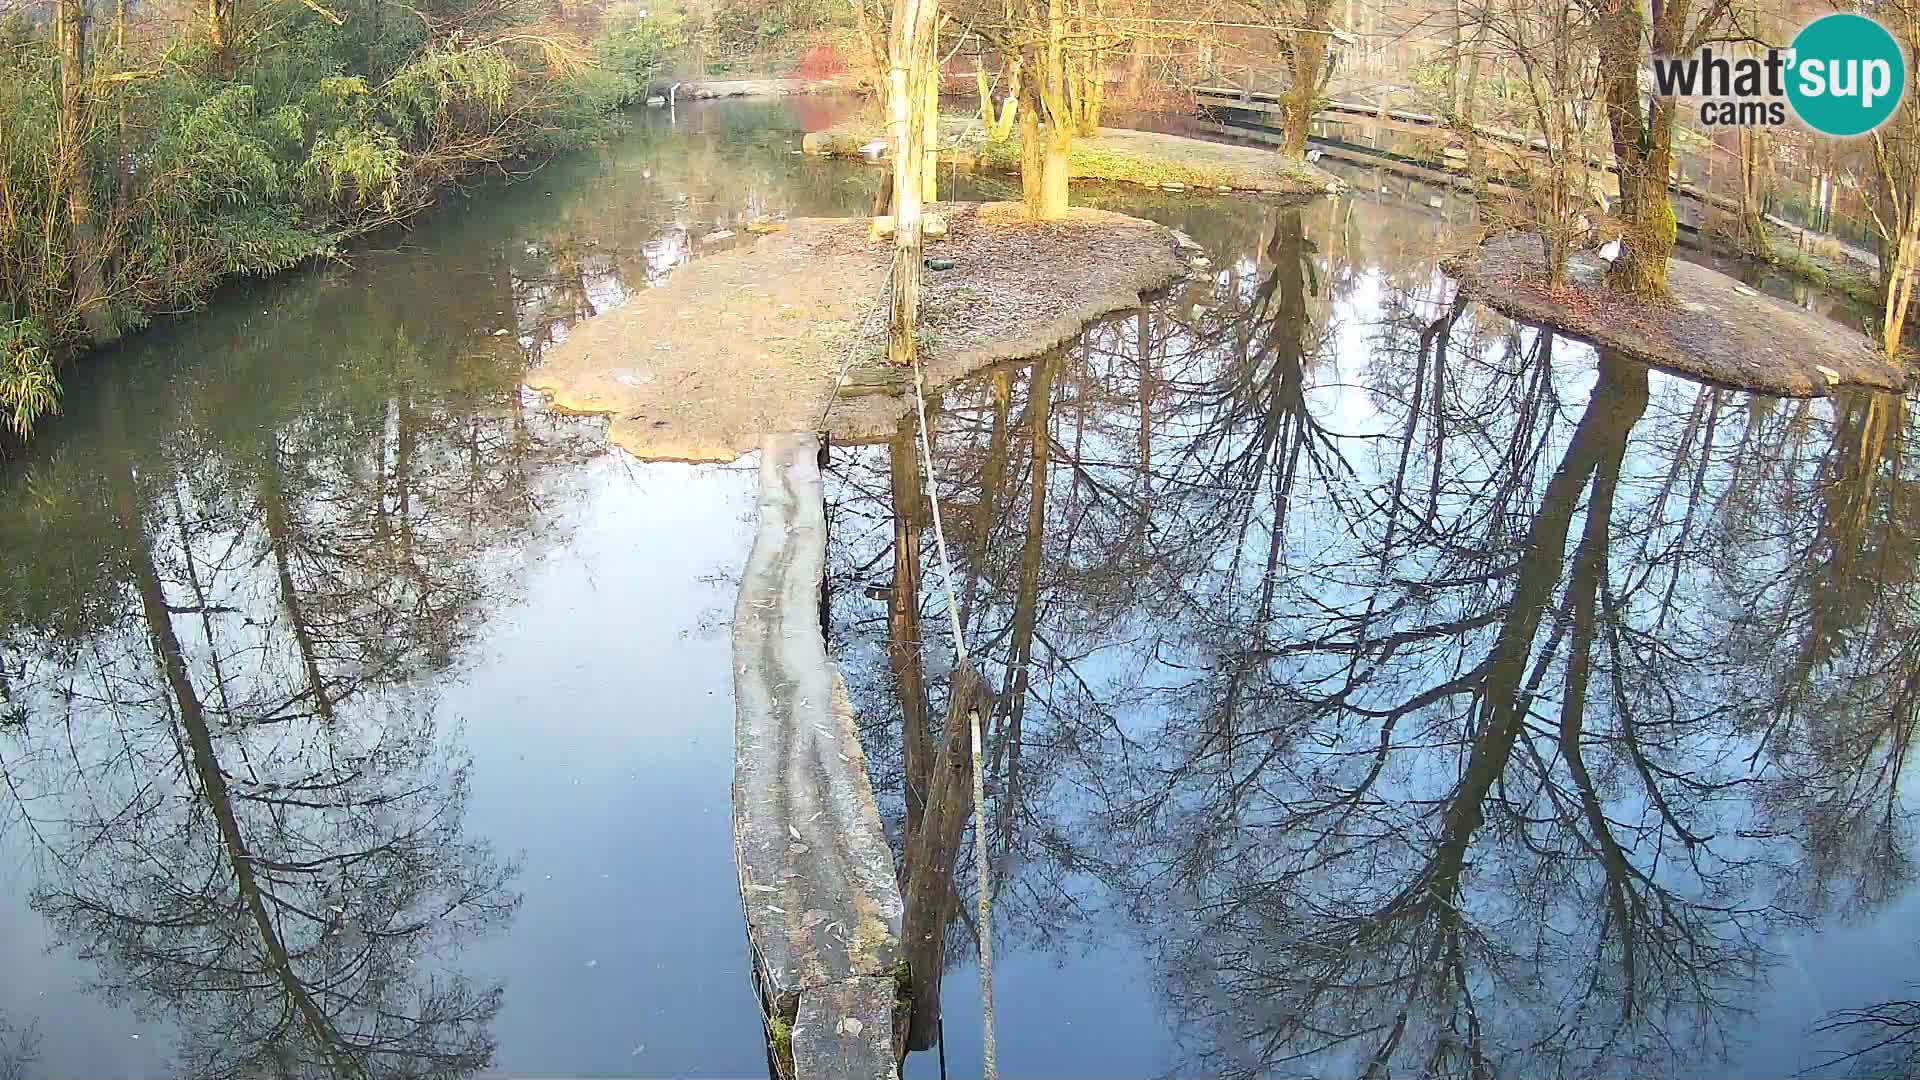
[244,807]
[1431,696]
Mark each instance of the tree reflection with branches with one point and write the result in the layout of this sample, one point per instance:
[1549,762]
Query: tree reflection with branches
[245,809]
[1478,709]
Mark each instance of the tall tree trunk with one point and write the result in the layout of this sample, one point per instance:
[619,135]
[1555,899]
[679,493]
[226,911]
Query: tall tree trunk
[1898,221]
[75,175]
[1753,185]
[1900,280]
[999,125]
[273,512]
[913,23]
[1642,144]
[1055,172]
[1009,106]
[1456,75]
[992,477]
[873,45]
[930,155]
[220,35]
[123,154]
[1026,605]
[1032,156]
[1136,84]
[1307,60]
[931,849]
[1087,84]
[1048,200]
[373,37]
[210,776]
[903,619]
[1093,100]
[1617,404]
[1143,351]
[1465,120]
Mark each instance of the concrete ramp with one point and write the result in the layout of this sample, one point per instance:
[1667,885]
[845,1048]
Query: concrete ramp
[816,876]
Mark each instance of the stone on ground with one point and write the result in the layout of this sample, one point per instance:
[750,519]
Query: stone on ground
[847,1031]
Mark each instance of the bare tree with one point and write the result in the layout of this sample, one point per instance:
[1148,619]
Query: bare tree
[1642,131]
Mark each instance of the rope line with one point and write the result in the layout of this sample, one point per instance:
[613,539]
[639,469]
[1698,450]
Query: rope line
[939,533]
[990,1066]
[853,348]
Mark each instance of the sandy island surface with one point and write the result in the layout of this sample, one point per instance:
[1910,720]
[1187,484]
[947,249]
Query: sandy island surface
[744,343]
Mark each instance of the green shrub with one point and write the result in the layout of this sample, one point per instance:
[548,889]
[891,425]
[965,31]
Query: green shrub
[315,130]
[636,48]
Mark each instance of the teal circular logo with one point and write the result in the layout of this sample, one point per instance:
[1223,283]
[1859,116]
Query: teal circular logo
[1847,75]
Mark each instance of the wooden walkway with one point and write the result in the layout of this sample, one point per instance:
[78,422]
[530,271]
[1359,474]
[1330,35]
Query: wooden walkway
[1256,103]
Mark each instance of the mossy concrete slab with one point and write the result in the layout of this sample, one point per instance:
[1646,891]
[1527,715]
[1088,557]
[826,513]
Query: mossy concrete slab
[1709,326]
[847,1030]
[816,876]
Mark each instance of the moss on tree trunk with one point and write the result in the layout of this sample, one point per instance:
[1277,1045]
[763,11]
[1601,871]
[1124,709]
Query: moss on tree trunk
[1651,233]
[1642,139]
[1307,57]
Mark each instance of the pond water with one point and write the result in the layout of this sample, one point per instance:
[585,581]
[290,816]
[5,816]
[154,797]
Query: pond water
[1386,688]
[364,717]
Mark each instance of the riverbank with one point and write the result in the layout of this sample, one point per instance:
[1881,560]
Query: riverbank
[751,86]
[1710,326]
[1148,158]
[1828,266]
[277,160]
[751,341]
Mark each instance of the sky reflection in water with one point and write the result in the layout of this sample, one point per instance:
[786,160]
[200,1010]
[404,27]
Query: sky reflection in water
[369,717]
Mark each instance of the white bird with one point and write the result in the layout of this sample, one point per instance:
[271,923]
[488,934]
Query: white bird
[1610,251]
[875,148]
[1313,155]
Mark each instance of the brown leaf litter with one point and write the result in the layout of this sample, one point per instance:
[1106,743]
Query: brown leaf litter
[1709,326]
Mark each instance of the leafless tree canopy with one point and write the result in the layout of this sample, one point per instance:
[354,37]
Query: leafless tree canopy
[1433,696]
[246,812]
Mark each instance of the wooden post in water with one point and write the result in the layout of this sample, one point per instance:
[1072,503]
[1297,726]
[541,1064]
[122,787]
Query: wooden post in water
[931,846]
[912,55]
[931,851]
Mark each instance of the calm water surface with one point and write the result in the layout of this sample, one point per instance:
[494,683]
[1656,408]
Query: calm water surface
[1526,713]
[1388,689]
